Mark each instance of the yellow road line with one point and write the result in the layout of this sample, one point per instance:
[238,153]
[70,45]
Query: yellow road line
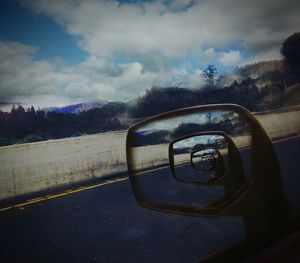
[83,188]
[67,192]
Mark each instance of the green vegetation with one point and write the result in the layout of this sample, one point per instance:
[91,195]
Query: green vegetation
[291,51]
[28,125]
[32,138]
[4,141]
[261,86]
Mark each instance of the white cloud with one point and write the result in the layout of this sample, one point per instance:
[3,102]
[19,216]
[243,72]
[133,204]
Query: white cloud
[21,76]
[9,48]
[208,55]
[148,36]
[232,57]
[106,28]
[40,83]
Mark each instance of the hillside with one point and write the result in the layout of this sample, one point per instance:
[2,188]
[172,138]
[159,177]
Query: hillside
[258,69]
[258,87]
[77,108]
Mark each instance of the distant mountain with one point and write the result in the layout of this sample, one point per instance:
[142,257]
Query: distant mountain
[77,108]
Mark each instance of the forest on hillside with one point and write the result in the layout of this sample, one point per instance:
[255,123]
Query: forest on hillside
[30,125]
[261,86]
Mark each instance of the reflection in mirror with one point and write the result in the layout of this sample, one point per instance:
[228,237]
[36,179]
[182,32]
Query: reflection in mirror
[153,166]
[184,166]
[204,160]
[148,148]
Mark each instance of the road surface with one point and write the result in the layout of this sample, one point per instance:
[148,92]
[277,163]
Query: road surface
[105,224]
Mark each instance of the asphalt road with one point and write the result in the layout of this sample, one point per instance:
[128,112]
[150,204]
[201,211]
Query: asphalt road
[105,224]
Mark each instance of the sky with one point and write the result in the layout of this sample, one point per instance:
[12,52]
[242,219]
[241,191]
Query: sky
[59,52]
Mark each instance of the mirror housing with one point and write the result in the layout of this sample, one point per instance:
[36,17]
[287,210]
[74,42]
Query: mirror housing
[261,200]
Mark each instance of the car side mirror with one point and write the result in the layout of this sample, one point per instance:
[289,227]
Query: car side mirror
[249,186]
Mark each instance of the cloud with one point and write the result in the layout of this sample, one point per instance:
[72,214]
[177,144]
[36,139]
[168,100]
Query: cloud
[106,28]
[131,47]
[10,48]
[232,57]
[21,76]
[41,83]
[179,5]
[208,55]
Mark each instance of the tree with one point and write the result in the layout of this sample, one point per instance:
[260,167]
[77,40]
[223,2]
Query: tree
[290,49]
[211,76]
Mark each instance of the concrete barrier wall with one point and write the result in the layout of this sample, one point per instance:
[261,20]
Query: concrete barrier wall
[27,168]
[33,167]
[280,123]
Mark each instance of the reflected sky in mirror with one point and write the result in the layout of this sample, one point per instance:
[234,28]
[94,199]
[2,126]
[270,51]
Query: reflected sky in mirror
[202,139]
[172,123]
[177,126]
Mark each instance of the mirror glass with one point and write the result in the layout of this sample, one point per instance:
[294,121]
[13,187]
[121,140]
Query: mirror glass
[189,157]
[173,163]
